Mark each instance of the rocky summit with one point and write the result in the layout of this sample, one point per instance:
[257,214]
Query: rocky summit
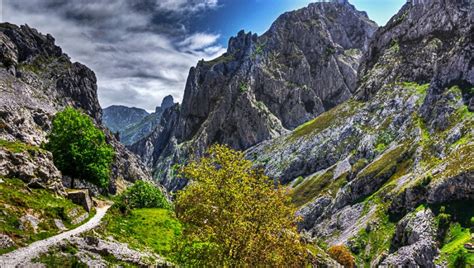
[263,86]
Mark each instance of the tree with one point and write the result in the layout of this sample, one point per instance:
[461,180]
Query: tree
[235,215]
[143,195]
[342,255]
[79,148]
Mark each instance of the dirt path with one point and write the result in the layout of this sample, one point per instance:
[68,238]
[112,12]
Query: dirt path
[22,256]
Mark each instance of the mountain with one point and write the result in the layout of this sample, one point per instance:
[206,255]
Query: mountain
[117,117]
[144,127]
[263,86]
[37,80]
[389,173]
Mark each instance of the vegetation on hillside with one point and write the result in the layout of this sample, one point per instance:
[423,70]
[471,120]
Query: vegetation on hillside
[234,215]
[17,201]
[79,148]
[142,195]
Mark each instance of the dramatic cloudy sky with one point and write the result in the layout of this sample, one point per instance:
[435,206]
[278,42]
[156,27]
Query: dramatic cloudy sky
[141,50]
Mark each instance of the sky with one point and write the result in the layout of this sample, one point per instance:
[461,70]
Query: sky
[141,50]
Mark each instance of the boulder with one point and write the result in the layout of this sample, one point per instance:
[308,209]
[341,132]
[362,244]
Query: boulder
[81,197]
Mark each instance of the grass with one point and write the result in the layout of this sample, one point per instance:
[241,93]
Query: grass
[53,259]
[146,228]
[453,249]
[325,120]
[371,242]
[18,147]
[386,164]
[315,186]
[16,200]
[243,87]
[458,162]
[457,219]
[222,59]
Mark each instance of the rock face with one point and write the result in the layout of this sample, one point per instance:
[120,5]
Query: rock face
[415,239]
[404,140]
[263,86]
[117,117]
[36,80]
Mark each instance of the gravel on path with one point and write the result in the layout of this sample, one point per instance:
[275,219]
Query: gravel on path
[22,256]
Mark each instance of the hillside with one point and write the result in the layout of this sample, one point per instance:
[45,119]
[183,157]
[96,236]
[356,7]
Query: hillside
[390,172]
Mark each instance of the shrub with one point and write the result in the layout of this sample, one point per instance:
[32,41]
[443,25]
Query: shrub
[143,195]
[79,148]
[235,215]
[342,255]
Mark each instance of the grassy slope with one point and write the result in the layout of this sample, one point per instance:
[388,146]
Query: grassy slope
[147,228]
[16,200]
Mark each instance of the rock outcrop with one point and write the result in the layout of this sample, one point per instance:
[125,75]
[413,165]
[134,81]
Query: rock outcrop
[264,86]
[36,80]
[415,241]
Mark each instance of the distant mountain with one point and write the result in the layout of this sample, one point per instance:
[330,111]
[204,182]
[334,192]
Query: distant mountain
[143,128]
[134,124]
[117,118]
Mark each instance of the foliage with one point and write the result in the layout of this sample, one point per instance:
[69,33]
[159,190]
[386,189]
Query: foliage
[18,147]
[243,87]
[151,228]
[143,195]
[52,259]
[17,199]
[79,148]
[383,140]
[342,255]
[234,215]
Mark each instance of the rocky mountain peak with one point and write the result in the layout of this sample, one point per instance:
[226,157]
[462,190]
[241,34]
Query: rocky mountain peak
[29,42]
[421,43]
[167,102]
[264,86]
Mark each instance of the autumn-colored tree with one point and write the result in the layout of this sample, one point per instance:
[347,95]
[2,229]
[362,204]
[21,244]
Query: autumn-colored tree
[235,215]
[342,255]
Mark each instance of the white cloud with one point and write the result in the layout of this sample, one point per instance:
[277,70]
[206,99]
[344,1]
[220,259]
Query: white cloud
[135,64]
[199,41]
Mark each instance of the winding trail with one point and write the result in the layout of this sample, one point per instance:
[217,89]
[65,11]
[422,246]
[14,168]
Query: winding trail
[22,256]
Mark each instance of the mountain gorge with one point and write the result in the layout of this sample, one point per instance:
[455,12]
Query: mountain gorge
[369,129]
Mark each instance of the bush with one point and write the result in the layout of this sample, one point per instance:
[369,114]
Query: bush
[79,148]
[342,255]
[235,215]
[143,195]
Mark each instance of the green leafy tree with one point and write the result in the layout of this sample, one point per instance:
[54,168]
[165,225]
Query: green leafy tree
[79,148]
[143,195]
[234,215]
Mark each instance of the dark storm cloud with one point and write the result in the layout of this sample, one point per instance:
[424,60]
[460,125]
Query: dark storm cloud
[140,50]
